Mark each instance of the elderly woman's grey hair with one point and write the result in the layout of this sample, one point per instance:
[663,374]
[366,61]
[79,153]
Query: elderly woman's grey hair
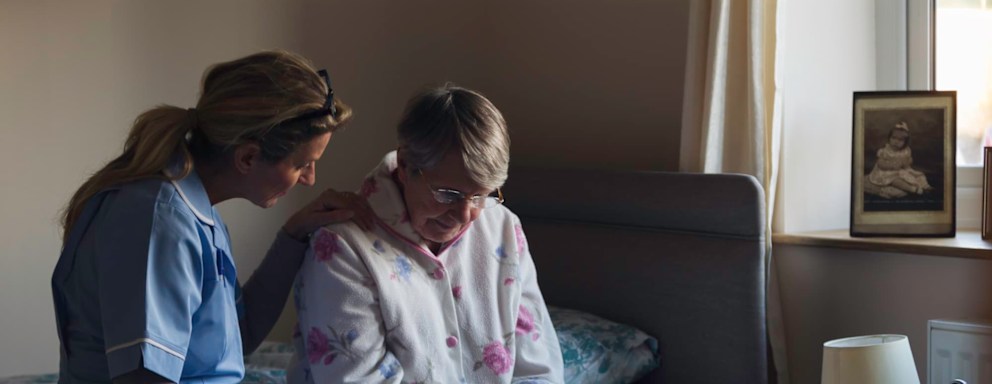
[446,118]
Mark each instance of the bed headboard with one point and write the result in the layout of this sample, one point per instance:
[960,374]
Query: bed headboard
[678,255]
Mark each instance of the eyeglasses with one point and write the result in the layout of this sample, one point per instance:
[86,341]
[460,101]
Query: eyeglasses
[451,196]
[329,102]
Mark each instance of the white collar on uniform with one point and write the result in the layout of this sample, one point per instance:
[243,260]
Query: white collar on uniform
[193,193]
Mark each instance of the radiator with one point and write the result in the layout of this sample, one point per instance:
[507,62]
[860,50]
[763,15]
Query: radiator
[959,351]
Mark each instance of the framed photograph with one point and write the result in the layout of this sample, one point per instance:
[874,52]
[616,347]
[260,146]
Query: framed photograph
[987,194]
[903,164]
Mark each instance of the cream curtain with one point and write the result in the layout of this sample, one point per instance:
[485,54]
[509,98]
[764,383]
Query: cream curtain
[732,112]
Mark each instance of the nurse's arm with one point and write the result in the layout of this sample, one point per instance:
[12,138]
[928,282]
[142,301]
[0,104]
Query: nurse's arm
[265,293]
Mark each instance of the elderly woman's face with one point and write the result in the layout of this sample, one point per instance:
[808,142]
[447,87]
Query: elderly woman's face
[434,221]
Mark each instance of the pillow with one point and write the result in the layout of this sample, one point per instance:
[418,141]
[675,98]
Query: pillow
[263,375]
[271,354]
[596,350]
[267,365]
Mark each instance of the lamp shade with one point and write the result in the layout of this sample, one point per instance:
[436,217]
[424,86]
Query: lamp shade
[874,359]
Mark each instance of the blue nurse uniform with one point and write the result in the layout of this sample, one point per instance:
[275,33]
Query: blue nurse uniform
[146,280]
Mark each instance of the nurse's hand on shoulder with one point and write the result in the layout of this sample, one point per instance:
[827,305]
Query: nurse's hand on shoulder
[328,208]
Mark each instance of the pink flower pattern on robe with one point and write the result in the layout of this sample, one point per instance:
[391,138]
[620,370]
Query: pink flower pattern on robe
[324,348]
[525,321]
[325,245]
[368,187]
[318,346]
[497,358]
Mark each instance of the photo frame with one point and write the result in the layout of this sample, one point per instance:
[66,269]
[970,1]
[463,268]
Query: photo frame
[986,193]
[903,167]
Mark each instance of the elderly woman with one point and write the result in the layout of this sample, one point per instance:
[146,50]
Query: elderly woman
[444,290]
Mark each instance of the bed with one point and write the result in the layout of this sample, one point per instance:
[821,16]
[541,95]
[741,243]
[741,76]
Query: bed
[678,257]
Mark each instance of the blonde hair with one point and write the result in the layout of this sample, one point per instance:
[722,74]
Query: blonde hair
[255,99]
[445,118]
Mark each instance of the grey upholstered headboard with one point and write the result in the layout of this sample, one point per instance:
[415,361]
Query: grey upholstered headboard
[678,255]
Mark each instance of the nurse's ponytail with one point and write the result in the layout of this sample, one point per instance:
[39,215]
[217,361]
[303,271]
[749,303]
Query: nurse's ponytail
[256,99]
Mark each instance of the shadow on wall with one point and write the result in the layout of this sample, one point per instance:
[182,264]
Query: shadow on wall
[581,84]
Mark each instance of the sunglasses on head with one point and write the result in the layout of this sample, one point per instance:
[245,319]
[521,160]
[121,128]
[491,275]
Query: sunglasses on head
[327,109]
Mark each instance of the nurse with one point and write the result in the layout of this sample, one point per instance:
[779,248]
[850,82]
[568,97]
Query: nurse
[145,289]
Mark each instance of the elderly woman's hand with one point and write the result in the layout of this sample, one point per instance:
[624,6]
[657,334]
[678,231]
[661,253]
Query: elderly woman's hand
[330,207]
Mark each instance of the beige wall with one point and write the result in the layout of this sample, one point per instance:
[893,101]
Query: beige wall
[830,293]
[583,83]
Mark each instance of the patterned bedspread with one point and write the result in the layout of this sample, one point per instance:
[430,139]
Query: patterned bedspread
[265,366]
[595,350]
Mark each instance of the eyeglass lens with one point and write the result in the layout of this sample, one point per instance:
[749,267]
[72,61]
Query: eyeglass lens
[451,197]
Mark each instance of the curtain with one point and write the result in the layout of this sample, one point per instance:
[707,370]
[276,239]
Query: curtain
[732,113]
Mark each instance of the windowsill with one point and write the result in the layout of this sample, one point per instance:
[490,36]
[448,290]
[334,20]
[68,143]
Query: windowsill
[967,244]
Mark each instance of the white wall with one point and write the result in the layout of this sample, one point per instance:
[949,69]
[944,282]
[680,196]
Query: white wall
[824,62]
[831,293]
[582,84]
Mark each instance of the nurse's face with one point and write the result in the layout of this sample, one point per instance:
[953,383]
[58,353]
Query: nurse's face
[273,180]
[437,222]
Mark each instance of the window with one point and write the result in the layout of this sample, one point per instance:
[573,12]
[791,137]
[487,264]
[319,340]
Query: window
[946,49]
[963,62]
[941,44]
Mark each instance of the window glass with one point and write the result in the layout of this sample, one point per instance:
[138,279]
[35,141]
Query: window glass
[963,62]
